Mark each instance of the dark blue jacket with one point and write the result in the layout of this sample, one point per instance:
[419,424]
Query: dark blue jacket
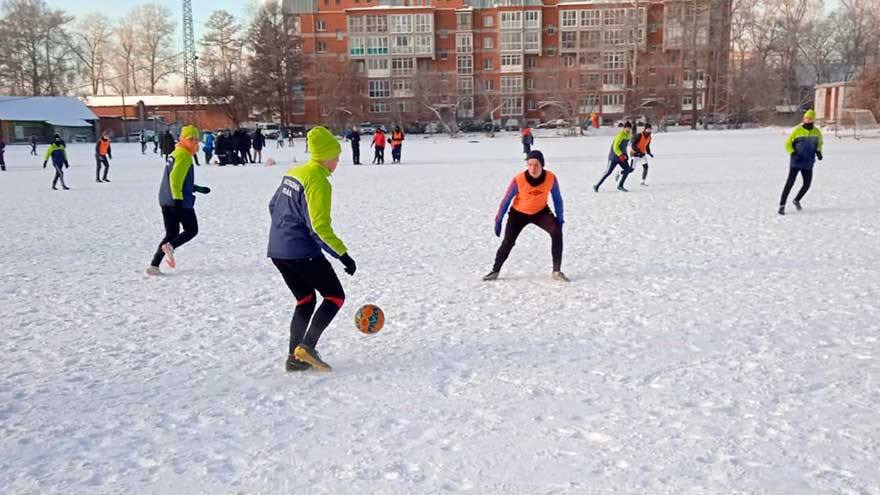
[802,145]
[178,180]
[354,137]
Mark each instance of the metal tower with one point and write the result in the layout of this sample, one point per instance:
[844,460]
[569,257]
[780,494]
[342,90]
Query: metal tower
[190,75]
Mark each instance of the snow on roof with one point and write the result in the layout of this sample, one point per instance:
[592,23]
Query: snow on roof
[45,108]
[131,100]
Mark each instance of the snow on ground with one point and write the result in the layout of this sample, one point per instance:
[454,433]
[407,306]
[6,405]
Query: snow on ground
[706,345]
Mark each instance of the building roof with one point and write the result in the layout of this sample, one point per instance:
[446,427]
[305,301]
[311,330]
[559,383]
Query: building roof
[56,110]
[835,84]
[131,100]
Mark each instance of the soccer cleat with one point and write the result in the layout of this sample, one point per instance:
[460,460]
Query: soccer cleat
[782,209]
[560,276]
[294,364]
[797,204]
[493,275]
[65,188]
[595,188]
[106,179]
[644,184]
[97,180]
[168,249]
[153,271]
[622,189]
[54,188]
[311,357]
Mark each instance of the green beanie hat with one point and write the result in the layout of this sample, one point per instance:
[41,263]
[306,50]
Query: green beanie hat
[323,144]
[810,114]
[189,131]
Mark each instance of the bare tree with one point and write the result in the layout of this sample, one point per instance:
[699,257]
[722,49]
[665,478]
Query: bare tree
[222,46]
[437,92]
[125,58]
[35,47]
[341,95]
[90,43]
[489,98]
[154,47]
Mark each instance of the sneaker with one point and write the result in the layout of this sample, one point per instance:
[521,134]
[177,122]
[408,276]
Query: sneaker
[797,204]
[311,357]
[97,180]
[595,188]
[153,271]
[622,189]
[168,249]
[493,275]
[106,179]
[560,276]
[54,188]
[643,183]
[294,364]
[65,188]
[782,209]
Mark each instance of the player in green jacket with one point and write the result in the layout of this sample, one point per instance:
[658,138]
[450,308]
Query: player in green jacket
[803,146]
[58,153]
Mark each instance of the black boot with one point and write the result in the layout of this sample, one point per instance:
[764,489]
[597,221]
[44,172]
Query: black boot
[294,364]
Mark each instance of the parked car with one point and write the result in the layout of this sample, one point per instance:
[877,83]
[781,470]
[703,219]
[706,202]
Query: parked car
[470,126]
[367,128]
[297,130]
[671,119]
[433,128]
[491,126]
[270,130]
[553,124]
[81,138]
[511,125]
[685,120]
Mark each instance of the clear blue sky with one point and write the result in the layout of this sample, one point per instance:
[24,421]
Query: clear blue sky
[202,9]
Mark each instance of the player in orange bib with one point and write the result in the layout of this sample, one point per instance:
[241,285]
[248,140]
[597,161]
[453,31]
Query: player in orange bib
[529,192]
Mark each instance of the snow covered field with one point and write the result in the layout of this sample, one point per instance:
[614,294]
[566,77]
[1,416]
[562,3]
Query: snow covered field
[706,345]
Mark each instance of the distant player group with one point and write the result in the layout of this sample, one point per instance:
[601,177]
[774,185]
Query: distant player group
[301,230]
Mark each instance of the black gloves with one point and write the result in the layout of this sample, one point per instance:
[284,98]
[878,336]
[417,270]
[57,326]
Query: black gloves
[819,155]
[350,266]
[44,164]
[651,154]
[202,189]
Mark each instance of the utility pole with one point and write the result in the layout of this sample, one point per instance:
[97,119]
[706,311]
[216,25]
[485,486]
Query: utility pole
[190,75]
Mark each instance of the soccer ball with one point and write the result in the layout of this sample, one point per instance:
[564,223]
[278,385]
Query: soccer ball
[270,162]
[369,319]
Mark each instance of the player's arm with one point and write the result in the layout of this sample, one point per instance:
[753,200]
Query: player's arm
[617,140]
[318,204]
[511,193]
[557,201]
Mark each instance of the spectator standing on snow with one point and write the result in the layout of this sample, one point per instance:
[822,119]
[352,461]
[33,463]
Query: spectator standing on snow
[177,199]
[259,141]
[529,191]
[617,156]
[142,138]
[354,136]
[300,229]
[167,144]
[803,146]
[396,144]
[527,139]
[33,142]
[2,151]
[58,153]
[103,155]
[208,146]
[379,146]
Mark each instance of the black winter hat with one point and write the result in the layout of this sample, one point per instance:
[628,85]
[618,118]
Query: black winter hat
[537,155]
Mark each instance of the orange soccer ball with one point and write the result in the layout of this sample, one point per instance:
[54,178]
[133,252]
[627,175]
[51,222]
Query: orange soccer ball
[369,319]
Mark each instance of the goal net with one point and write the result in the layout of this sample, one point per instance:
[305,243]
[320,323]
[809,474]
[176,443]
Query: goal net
[862,123]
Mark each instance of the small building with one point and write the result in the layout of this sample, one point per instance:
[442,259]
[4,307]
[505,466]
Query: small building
[42,116]
[121,115]
[831,100]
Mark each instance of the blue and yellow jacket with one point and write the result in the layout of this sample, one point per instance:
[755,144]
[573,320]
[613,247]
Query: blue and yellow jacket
[300,211]
[58,153]
[802,146]
[619,145]
[178,180]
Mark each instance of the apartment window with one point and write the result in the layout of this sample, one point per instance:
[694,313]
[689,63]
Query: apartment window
[532,18]
[377,46]
[444,55]
[377,24]
[423,23]
[511,20]
[379,88]
[613,60]
[356,46]
[652,28]
[551,30]
[355,24]
[612,78]
[511,106]
[533,40]
[466,107]
[550,51]
[401,24]
[320,26]
[463,20]
[465,64]
[402,44]
[488,64]
[488,85]
[569,60]
[590,39]
[652,70]
[466,85]
[613,37]
[612,99]
[361,67]
[533,105]
[567,40]
[402,66]
[404,106]
[511,41]
[380,107]
[511,84]
[590,103]
[589,59]
[339,35]
[591,18]
[402,87]
[530,84]
[488,42]
[424,44]
[488,21]
[687,101]
[531,62]
[511,62]
[569,18]
[671,80]
[613,17]
[687,75]
[321,47]
[377,64]
[464,43]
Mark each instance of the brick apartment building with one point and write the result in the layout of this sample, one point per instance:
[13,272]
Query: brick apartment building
[525,59]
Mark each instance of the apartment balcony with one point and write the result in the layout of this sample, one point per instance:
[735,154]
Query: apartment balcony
[379,73]
[612,108]
[690,84]
[402,93]
[506,69]
[613,87]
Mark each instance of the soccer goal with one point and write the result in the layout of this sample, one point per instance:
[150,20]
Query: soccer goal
[862,121]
